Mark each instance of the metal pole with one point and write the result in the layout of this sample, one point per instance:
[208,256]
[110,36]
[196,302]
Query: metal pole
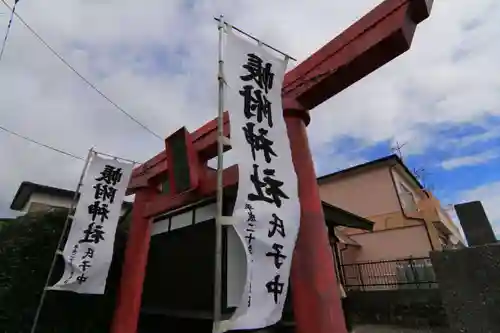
[220,167]
[63,233]
[252,37]
[116,157]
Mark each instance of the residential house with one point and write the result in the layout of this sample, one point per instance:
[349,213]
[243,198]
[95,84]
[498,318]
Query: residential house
[31,197]
[409,222]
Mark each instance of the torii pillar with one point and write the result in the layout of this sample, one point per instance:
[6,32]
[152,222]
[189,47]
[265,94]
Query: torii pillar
[380,36]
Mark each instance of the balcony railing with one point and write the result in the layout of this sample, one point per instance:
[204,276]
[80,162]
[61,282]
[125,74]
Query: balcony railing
[411,273]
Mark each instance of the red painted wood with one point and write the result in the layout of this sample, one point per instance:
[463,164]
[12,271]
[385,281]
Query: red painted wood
[341,63]
[364,25]
[372,41]
[163,203]
[128,303]
[316,299]
[192,160]
[205,143]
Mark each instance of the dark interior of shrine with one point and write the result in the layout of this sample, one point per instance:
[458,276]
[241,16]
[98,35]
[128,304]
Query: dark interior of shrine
[179,282]
[178,287]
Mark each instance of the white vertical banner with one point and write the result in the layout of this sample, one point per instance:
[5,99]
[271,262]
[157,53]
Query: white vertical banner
[89,249]
[267,209]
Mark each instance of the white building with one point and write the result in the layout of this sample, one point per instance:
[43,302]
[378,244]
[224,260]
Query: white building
[32,197]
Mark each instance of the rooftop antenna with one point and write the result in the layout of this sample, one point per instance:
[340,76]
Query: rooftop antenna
[397,149]
[422,175]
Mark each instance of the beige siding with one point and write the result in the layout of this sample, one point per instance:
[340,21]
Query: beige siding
[367,193]
[393,244]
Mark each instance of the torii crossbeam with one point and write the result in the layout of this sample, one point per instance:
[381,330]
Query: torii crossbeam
[380,36]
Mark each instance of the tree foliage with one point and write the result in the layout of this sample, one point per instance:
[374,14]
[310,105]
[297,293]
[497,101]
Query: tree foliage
[27,245]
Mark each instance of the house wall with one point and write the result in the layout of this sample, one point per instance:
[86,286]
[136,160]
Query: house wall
[41,201]
[386,251]
[378,194]
[429,208]
[367,193]
[401,181]
[45,199]
[348,253]
[392,244]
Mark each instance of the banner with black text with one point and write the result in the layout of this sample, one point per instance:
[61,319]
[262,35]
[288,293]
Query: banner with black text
[89,249]
[267,209]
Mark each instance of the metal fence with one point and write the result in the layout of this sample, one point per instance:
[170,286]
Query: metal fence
[411,273]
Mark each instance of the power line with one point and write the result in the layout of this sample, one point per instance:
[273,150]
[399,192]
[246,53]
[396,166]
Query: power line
[8,29]
[90,84]
[59,150]
[41,144]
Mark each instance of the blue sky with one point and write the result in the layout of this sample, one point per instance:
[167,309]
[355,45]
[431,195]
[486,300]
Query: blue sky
[463,158]
[158,62]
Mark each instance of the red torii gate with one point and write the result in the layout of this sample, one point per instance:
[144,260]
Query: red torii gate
[380,36]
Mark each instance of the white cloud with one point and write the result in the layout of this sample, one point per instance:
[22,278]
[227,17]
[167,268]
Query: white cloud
[127,48]
[489,133]
[476,159]
[489,195]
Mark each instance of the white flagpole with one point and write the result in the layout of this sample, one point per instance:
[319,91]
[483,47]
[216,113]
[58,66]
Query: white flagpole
[63,233]
[220,168]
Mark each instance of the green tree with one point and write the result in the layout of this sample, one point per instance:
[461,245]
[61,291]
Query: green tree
[27,245]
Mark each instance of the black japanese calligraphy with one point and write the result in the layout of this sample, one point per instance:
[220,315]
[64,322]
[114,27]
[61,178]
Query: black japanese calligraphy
[93,234]
[84,265]
[258,81]
[251,215]
[251,225]
[88,254]
[259,141]
[254,100]
[275,287]
[269,189]
[74,251]
[277,226]
[259,72]
[250,237]
[250,294]
[81,279]
[96,209]
[104,192]
[110,175]
[71,259]
[278,256]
